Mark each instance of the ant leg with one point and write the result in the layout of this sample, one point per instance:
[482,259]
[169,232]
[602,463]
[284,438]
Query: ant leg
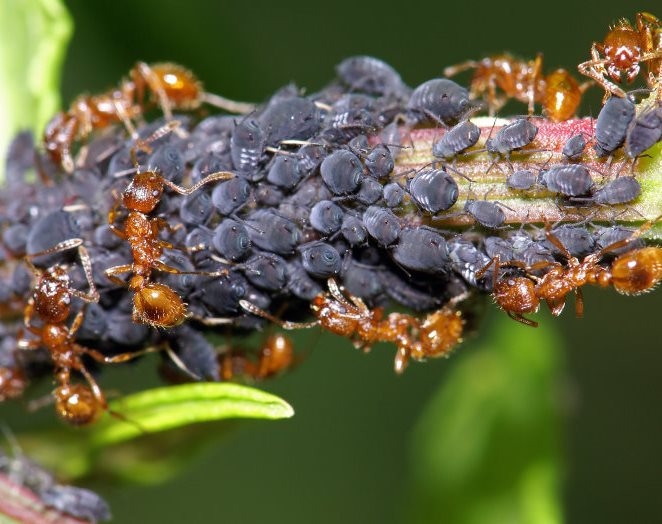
[111,273]
[285,324]
[153,82]
[231,106]
[521,318]
[595,69]
[124,117]
[535,73]
[579,302]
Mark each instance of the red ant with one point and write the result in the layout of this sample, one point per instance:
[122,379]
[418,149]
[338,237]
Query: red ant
[349,316]
[559,93]
[154,303]
[632,273]
[624,49]
[170,85]
[275,356]
[50,305]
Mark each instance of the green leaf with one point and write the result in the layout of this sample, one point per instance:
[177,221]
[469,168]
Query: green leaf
[487,447]
[33,39]
[154,433]
[170,407]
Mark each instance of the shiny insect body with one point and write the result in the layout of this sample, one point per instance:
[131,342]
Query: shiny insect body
[171,86]
[500,77]
[619,57]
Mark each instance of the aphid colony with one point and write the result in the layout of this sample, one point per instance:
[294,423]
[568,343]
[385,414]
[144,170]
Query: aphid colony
[313,210]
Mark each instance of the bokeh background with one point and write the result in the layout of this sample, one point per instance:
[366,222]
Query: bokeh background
[346,456]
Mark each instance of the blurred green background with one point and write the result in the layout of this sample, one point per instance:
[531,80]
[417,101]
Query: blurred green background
[349,454]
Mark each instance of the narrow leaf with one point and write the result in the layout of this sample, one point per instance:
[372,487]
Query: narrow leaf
[170,407]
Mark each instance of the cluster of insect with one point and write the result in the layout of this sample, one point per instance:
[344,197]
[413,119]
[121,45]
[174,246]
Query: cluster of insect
[144,235]
[30,493]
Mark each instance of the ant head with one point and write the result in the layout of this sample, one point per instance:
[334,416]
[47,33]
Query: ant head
[144,192]
[77,405]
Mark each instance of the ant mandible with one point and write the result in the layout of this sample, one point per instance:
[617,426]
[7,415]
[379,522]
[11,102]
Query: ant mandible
[559,93]
[349,316]
[170,85]
[50,305]
[154,303]
[632,273]
[624,49]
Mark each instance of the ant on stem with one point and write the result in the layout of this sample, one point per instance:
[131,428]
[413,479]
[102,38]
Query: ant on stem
[170,85]
[154,303]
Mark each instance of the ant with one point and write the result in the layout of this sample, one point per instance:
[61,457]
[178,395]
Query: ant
[632,273]
[349,316]
[170,85]
[624,49]
[558,92]
[51,306]
[154,303]
[275,356]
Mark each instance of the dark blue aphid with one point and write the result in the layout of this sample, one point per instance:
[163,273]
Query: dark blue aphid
[341,172]
[567,179]
[379,161]
[285,172]
[48,231]
[606,236]
[487,214]
[577,241]
[370,191]
[326,217]
[299,282]
[15,238]
[574,147]
[221,295]
[247,145]
[440,101]
[293,118]
[353,230]
[78,502]
[644,131]
[370,75]
[393,194]
[382,225]
[321,260]
[228,196]
[456,140]
[266,271]
[468,261]
[621,190]
[231,240]
[433,191]
[612,125]
[360,280]
[522,180]
[421,249]
[168,162]
[272,232]
[511,137]
[195,352]
[196,208]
